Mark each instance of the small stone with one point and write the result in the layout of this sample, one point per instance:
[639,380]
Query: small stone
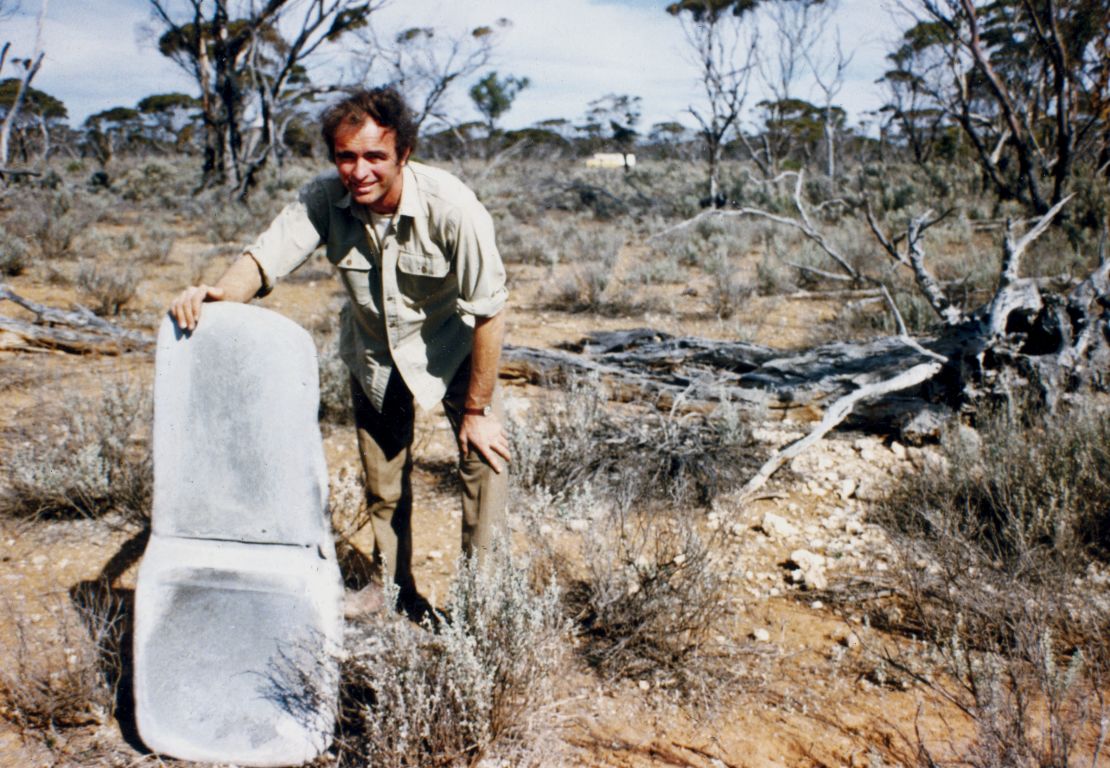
[761,635]
[816,605]
[713,524]
[645,685]
[679,559]
[811,569]
[898,450]
[846,488]
[38,560]
[578,525]
[776,526]
[546,530]
[435,554]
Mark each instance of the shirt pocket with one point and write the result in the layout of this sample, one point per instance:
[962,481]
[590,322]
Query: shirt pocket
[357,279]
[425,279]
[420,263]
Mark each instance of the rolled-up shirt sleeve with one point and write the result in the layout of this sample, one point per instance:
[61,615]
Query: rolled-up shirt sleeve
[478,264]
[287,242]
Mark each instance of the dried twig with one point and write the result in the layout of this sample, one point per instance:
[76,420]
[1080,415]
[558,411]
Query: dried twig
[836,413]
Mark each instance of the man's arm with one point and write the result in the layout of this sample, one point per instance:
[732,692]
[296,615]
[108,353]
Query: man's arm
[485,433]
[241,282]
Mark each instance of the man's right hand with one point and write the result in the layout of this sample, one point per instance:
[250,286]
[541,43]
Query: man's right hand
[185,309]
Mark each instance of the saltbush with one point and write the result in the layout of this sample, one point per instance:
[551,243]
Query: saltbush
[85,465]
[477,685]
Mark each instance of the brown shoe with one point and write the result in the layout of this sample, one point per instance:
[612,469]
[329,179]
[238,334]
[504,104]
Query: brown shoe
[366,601]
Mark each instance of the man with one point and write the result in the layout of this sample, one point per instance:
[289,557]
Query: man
[424,322]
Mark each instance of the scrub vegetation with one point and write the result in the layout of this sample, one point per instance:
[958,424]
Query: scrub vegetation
[927,585]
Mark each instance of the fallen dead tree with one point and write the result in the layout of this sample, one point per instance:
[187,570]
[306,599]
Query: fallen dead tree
[77,331]
[1027,340]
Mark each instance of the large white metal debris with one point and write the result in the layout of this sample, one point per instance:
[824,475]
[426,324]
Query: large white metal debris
[237,606]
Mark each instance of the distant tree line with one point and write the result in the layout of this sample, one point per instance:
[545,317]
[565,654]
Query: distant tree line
[1018,89]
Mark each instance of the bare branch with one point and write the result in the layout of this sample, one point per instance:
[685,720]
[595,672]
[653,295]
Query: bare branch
[926,281]
[835,414]
[1012,252]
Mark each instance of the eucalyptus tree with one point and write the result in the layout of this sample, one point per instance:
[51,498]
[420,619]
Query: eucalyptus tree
[250,62]
[1026,81]
[723,47]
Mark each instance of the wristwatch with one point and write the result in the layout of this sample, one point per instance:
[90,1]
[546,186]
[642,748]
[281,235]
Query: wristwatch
[485,410]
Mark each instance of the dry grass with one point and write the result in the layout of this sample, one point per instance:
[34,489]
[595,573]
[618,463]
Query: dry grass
[575,440]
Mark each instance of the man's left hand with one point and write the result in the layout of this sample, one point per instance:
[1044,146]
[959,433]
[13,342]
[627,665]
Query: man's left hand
[485,435]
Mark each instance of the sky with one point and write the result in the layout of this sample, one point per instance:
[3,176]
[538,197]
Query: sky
[100,53]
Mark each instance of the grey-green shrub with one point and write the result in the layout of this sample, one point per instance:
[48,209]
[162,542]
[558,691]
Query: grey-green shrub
[14,254]
[109,287]
[476,687]
[1004,554]
[87,464]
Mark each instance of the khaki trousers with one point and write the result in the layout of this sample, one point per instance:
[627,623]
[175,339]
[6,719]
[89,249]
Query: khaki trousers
[385,447]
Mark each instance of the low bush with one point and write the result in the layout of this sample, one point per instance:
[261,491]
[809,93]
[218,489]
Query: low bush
[62,670]
[155,245]
[1004,573]
[52,220]
[477,688]
[655,606]
[335,387]
[574,441]
[14,254]
[86,465]
[108,287]
[1027,494]
[727,292]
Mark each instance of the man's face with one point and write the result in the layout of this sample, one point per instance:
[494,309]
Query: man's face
[366,157]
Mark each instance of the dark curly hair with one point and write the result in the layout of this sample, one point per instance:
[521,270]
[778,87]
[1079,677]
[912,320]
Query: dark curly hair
[384,105]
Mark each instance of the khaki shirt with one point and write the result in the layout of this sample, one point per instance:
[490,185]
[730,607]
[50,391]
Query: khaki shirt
[412,303]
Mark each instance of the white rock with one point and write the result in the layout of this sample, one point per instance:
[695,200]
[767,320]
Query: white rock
[578,525]
[804,559]
[761,635]
[811,569]
[777,527]
[898,450]
[846,488]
